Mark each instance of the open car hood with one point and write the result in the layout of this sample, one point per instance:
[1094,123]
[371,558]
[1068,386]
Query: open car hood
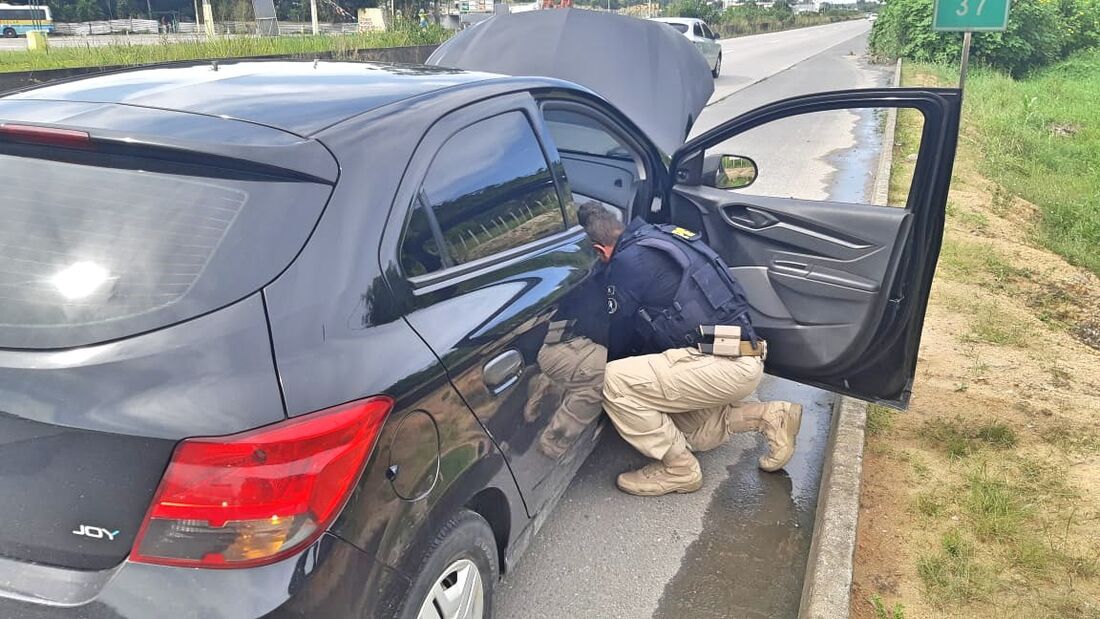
[647,69]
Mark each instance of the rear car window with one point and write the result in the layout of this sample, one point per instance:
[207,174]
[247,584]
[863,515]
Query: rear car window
[488,189]
[679,27]
[90,253]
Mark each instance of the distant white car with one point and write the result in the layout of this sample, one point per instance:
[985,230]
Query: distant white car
[697,31]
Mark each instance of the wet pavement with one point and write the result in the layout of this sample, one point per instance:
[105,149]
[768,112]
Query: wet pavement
[738,547]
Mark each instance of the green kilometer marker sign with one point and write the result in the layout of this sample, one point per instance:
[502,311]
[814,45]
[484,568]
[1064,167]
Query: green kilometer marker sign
[970,15]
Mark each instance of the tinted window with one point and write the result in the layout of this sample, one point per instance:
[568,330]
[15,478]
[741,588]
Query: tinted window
[90,253]
[23,15]
[698,30]
[490,189]
[680,27]
[419,251]
[707,32]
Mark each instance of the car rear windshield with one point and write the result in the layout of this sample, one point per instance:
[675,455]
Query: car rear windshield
[680,27]
[90,253]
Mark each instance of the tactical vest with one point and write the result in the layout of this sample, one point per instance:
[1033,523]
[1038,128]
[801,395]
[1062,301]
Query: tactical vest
[706,295]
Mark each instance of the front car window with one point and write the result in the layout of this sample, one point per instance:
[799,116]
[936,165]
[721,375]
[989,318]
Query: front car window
[698,29]
[488,189]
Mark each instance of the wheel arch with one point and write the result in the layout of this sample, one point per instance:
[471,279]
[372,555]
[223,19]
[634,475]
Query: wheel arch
[492,505]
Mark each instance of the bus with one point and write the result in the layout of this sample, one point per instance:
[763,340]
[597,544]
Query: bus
[19,20]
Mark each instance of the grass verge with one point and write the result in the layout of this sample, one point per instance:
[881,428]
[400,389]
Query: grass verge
[124,54]
[984,499]
[1039,139]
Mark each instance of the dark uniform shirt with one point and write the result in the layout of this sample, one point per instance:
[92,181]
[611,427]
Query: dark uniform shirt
[641,276]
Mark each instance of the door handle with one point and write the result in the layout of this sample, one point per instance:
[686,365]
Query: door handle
[749,217]
[502,371]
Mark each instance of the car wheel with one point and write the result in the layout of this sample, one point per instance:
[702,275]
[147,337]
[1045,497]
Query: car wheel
[9,33]
[717,66]
[458,572]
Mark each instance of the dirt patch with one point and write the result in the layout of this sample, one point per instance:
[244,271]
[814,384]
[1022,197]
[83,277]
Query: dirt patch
[984,498]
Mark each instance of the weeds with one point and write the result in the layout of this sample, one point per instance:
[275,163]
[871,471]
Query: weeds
[973,220]
[978,263]
[928,505]
[882,611]
[994,508]
[1072,439]
[989,325]
[952,574]
[879,419]
[958,439]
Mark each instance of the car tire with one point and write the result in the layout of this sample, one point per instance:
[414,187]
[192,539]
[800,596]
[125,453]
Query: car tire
[456,577]
[9,33]
[717,70]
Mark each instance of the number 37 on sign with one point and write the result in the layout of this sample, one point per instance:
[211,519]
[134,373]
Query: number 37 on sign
[970,15]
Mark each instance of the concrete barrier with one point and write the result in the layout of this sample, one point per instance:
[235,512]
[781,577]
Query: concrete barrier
[416,54]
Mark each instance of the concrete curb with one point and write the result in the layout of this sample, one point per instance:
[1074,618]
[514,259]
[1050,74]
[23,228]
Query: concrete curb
[827,588]
[886,160]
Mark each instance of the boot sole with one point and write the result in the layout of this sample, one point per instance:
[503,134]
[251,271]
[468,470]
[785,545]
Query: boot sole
[796,425]
[682,490]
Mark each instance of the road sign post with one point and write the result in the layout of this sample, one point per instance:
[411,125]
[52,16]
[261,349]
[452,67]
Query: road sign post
[969,16]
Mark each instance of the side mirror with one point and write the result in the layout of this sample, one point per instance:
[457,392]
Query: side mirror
[729,171]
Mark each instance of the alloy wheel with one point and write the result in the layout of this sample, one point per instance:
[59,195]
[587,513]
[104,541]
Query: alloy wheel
[457,594]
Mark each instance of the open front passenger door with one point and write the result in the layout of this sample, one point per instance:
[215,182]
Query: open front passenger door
[837,285]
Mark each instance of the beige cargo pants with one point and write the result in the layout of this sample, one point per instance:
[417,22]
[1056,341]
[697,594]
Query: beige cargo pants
[654,400]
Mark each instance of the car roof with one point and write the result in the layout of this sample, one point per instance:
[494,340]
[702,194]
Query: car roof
[677,20]
[301,97]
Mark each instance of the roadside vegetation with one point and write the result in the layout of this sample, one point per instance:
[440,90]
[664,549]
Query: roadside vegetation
[1039,33]
[984,499]
[749,18]
[123,54]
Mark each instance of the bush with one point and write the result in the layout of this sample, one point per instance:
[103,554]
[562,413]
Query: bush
[1039,32]
[699,9]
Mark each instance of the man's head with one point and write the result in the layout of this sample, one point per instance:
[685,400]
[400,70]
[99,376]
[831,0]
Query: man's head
[603,226]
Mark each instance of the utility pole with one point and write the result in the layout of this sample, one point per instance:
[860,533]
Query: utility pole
[313,16]
[208,18]
[149,8]
[198,18]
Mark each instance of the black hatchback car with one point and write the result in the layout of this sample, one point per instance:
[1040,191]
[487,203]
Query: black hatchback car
[323,339]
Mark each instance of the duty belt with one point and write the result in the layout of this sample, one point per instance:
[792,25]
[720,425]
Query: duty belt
[725,341]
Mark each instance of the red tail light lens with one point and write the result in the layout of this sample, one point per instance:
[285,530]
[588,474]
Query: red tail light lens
[253,498]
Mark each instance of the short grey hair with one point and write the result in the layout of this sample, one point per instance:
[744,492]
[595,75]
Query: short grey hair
[603,224]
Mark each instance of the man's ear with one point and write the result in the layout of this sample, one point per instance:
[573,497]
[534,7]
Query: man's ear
[603,251]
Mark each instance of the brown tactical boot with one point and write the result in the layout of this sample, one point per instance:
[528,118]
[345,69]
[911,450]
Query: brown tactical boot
[780,425]
[678,472]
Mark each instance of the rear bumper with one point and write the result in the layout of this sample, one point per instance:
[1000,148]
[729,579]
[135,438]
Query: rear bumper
[331,578]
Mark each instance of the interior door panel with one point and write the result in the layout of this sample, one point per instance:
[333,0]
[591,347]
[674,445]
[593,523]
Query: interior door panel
[603,178]
[813,271]
[839,290]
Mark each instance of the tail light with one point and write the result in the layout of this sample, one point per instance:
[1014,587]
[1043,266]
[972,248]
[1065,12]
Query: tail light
[253,498]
